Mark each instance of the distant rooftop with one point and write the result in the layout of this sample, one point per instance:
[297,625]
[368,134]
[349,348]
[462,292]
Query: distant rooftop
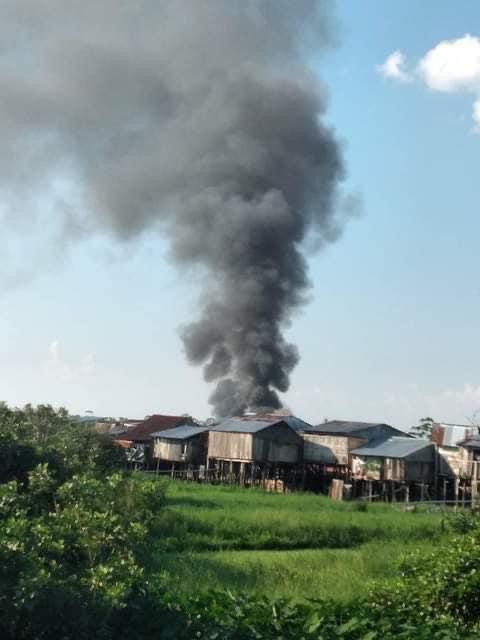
[243,425]
[345,427]
[395,447]
[250,423]
[449,435]
[180,433]
[143,432]
[297,424]
[253,422]
[471,443]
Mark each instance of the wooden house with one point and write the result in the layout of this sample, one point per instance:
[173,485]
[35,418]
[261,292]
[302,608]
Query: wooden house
[294,422]
[470,458]
[452,456]
[186,445]
[138,440]
[247,448]
[399,459]
[331,443]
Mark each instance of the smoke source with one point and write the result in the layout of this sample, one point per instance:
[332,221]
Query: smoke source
[196,116]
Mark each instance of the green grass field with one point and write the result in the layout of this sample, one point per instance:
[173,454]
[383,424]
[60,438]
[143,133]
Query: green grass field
[297,545]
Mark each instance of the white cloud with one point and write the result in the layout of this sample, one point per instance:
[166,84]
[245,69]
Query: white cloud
[394,67]
[452,65]
[470,395]
[63,370]
[87,365]
[55,365]
[401,407]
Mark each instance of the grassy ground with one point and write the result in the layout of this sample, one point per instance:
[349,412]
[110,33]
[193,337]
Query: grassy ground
[300,545]
[340,574]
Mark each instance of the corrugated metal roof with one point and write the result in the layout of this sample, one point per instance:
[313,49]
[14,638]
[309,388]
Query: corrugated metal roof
[240,425]
[179,433]
[117,429]
[449,435]
[471,443]
[297,424]
[396,447]
[143,431]
[344,427]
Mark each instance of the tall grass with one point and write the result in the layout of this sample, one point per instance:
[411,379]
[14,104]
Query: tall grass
[216,518]
[341,574]
[297,545]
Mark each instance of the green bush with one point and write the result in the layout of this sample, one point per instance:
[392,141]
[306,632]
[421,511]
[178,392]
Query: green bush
[76,538]
[86,536]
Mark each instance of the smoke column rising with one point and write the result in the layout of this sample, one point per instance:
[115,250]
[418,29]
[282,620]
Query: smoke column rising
[198,117]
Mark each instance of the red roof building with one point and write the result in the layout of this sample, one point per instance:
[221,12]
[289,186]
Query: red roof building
[143,431]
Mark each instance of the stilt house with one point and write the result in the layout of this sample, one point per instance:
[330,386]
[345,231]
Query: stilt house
[138,441]
[399,459]
[330,444]
[250,447]
[452,456]
[470,456]
[186,445]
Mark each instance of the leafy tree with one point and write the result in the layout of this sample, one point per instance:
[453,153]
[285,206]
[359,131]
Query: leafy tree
[74,548]
[78,543]
[423,429]
[35,435]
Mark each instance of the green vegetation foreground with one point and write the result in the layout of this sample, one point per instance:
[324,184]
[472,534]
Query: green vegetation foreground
[296,545]
[78,536]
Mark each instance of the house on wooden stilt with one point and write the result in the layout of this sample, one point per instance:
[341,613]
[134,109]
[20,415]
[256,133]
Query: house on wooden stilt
[254,451]
[328,449]
[180,449]
[399,468]
[138,441]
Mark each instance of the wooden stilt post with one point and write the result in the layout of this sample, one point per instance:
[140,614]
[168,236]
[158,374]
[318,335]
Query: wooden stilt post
[370,492]
[407,493]
[172,474]
[456,488]
[422,492]
[157,466]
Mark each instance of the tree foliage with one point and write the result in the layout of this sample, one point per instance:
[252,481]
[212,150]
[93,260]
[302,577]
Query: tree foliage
[423,429]
[75,531]
[42,435]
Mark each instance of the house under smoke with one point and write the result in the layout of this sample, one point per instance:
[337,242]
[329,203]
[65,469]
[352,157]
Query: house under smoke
[470,458]
[185,445]
[138,440]
[399,459]
[331,443]
[452,456]
[252,447]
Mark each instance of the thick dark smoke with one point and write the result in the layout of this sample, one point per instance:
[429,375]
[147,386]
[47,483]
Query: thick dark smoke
[199,117]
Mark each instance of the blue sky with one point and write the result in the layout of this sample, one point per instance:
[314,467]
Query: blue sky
[391,332]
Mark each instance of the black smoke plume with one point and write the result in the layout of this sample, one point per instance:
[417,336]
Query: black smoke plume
[196,116]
